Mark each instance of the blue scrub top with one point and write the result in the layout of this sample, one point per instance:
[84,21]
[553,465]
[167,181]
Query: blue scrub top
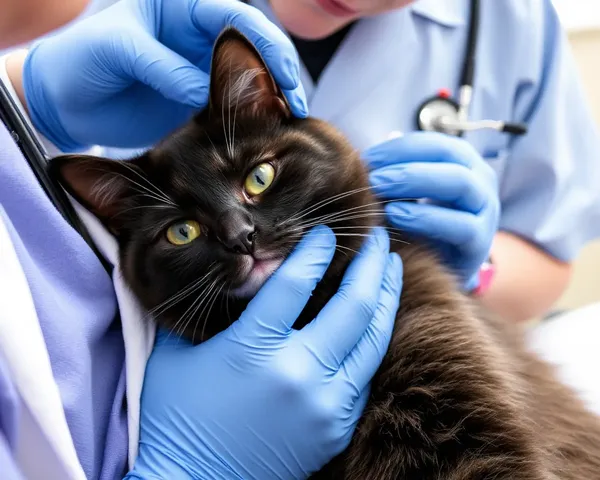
[389,64]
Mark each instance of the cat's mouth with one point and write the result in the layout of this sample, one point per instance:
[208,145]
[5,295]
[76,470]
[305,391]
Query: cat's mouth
[256,270]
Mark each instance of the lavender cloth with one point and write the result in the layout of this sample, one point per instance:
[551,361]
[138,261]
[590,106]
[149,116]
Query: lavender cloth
[9,409]
[76,306]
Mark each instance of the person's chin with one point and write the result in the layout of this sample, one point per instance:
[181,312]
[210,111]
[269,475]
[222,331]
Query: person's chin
[306,21]
[314,31]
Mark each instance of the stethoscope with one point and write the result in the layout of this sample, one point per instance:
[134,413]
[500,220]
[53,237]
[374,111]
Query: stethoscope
[443,114]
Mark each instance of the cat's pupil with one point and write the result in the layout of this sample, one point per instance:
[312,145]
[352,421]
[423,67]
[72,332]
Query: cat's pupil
[259,179]
[184,232]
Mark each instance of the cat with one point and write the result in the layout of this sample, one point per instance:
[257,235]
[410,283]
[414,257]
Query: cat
[204,217]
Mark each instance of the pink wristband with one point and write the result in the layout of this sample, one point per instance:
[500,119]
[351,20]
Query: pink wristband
[486,274]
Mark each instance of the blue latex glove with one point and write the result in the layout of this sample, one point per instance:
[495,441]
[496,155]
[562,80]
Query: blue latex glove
[261,400]
[461,214]
[132,73]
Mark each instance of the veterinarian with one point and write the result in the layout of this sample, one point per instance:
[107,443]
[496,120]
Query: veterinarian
[259,401]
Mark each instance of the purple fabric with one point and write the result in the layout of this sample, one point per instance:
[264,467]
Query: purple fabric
[76,306]
[8,469]
[9,406]
[9,411]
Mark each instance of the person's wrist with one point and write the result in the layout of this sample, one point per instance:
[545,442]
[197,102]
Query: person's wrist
[41,110]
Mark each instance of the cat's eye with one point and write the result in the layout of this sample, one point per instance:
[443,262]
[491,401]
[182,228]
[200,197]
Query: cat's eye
[182,233]
[259,179]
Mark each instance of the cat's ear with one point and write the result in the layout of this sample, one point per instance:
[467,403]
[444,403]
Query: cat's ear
[241,82]
[101,185]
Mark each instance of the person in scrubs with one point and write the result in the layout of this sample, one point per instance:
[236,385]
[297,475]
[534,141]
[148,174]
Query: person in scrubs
[259,400]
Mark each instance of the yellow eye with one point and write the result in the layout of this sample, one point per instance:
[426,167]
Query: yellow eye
[259,179]
[182,233]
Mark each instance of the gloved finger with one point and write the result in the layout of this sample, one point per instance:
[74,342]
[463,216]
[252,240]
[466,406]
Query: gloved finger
[297,100]
[434,222]
[430,147]
[453,184]
[486,174]
[357,411]
[363,361]
[280,301]
[276,49]
[344,319]
[151,63]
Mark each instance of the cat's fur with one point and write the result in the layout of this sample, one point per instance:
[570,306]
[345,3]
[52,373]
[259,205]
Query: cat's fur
[458,396]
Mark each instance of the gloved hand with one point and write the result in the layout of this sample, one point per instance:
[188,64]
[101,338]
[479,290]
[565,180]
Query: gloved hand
[462,211]
[261,400]
[130,74]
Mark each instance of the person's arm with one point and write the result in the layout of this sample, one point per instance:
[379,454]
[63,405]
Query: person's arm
[527,281]
[550,188]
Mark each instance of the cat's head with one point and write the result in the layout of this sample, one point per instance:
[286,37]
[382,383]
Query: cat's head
[204,217]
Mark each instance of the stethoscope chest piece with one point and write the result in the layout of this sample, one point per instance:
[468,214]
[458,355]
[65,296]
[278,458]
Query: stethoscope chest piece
[437,113]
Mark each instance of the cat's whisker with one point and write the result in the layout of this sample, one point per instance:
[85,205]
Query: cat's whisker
[157,190]
[324,218]
[141,206]
[311,208]
[230,146]
[177,297]
[357,209]
[227,304]
[142,189]
[355,216]
[190,313]
[357,228]
[237,102]
[206,297]
[390,234]
[336,228]
[154,198]
[207,317]
[223,112]
[181,320]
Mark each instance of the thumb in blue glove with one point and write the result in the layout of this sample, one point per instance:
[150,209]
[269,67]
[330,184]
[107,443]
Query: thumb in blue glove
[262,400]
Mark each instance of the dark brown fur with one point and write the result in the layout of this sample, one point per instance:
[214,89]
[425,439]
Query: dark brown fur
[458,396]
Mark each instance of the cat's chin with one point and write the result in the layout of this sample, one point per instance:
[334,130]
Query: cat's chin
[259,272]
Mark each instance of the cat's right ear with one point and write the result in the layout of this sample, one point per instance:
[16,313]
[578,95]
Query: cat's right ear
[100,185]
[240,81]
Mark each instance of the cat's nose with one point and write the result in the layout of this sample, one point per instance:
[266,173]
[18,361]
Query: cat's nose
[237,232]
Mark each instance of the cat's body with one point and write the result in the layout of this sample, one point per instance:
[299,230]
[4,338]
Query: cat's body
[458,395]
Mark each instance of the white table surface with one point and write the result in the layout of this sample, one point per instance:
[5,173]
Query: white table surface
[572,342]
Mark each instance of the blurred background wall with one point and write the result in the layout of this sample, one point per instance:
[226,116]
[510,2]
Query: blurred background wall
[582,21]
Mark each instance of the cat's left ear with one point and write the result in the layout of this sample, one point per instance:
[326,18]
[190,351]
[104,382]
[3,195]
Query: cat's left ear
[240,82]
[101,185]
